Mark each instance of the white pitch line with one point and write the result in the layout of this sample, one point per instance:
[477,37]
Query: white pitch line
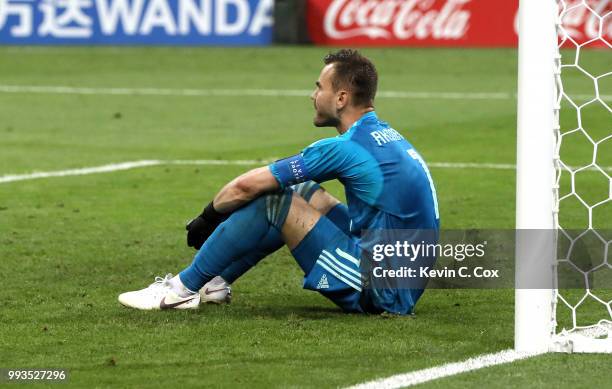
[237,92]
[70,90]
[501,166]
[79,172]
[445,95]
[223,162]
[122,166]
[472,165]
[449,369]
[150,91]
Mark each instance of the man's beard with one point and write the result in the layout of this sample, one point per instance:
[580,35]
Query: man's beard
[327,121]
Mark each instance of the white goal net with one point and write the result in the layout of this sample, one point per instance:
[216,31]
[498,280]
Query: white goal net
[582,299]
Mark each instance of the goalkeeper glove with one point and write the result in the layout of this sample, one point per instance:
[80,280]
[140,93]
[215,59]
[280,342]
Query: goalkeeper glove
[201,227]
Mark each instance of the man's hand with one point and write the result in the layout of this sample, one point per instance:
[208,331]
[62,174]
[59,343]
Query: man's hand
[201,227]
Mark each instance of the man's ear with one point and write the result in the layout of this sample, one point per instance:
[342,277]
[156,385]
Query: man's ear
[342,99]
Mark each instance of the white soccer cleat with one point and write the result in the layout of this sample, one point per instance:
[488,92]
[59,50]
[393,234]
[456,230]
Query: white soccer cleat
[159,295]
[216,291]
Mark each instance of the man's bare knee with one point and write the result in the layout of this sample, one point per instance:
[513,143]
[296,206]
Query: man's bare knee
[301,218]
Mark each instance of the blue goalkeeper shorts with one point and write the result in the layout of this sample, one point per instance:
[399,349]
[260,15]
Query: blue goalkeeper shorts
[334,259]
[331,260]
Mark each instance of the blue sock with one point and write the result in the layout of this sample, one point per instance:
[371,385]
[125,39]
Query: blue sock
[269,244]
[239,235]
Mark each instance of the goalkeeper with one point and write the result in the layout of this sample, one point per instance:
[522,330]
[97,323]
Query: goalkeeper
[387,186]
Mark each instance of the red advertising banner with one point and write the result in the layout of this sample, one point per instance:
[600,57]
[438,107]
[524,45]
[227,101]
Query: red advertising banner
[484,23]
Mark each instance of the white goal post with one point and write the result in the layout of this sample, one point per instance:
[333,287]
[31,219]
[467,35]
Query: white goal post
[539,166]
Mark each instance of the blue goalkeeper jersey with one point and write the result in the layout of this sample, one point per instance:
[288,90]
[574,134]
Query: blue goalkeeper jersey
[387,183]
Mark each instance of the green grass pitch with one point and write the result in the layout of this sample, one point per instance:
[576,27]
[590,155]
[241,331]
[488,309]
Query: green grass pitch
[69,246]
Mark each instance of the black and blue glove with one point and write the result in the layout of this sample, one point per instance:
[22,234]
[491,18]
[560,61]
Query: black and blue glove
[202,226]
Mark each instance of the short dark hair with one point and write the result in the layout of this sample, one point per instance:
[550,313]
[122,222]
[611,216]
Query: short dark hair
[354,72]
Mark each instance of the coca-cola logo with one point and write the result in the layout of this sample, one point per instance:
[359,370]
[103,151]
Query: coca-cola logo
[397,19]
[581,20]
[582,24]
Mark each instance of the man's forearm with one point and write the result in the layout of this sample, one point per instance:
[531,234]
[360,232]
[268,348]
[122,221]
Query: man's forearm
[231,197]
[244,189]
